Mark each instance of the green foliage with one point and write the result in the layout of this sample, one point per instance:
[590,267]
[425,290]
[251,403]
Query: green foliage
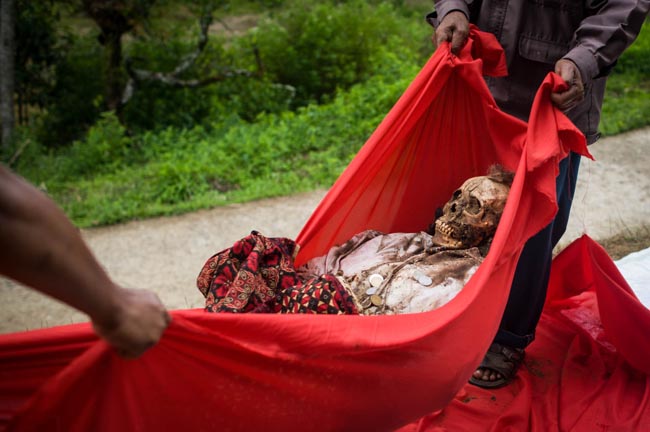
[156,106]
[110,177]
[54,93]
[106,148]
[75,100]
[627,99]
[58,74]
[40,51]
[308,52]
[237,140]
[320,47]
[342,59]
[330,46]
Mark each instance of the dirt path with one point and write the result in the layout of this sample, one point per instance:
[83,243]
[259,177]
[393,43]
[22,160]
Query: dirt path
[166,254]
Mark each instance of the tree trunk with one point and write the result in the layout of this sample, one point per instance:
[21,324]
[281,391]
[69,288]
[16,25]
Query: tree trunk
[114,20]
[7,60]
[114,74]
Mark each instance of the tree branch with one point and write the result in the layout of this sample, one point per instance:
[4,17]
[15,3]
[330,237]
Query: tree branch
[172,79]
[18,152]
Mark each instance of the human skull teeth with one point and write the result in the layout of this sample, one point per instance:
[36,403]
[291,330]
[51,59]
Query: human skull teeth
[449,233]
[446,229]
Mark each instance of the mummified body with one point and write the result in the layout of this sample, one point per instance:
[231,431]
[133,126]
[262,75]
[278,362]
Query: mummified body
[372,273]
[416,272]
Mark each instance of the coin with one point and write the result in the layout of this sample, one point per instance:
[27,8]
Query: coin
[376,300]
[371,290]
[375,279]
[424,280]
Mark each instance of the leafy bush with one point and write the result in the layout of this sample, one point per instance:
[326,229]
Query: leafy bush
[75,100]
[175,170]
[58,74]
[40,52]
[627,99]
[156,105]
[320,47]
[106,148]
[308,51]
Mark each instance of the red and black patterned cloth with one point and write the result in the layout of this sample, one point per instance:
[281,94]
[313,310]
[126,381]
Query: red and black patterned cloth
[257,274]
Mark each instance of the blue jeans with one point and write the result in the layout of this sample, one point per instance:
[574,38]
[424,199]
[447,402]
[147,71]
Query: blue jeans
[528,290]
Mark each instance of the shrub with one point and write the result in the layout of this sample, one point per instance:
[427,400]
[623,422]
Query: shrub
[320,47]
[627,99]
[105,148]
[75,100]
[156,105]
[173,170]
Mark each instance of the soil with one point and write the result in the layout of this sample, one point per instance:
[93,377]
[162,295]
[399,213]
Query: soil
[612,205]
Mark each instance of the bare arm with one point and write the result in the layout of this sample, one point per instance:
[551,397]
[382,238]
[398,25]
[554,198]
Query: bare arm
[39,247]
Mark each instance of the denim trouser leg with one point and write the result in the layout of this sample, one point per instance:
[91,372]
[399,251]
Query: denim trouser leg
[528,291]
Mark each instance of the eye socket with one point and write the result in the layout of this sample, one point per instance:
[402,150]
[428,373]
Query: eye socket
[456,194]
[474,206]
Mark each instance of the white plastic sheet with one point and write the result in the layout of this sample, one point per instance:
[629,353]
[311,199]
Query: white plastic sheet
[635,268]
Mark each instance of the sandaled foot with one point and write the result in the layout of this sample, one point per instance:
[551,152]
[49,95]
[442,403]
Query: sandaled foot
[499,366]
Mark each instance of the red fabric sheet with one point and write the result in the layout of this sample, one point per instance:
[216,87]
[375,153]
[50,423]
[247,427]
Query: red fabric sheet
[306,372]
[588,369]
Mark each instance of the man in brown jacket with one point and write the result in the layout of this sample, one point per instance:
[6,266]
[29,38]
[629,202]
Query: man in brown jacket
[581,41]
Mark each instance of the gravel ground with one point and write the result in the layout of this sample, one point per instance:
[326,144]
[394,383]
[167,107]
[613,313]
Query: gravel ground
[166,254]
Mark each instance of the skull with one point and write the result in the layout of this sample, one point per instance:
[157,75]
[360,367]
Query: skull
[472,214]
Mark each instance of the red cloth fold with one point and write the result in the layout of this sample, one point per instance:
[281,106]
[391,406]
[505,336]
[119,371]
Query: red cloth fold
[588,368]
[324,372]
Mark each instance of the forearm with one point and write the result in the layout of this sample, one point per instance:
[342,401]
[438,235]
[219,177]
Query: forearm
[40,248]
[603,36]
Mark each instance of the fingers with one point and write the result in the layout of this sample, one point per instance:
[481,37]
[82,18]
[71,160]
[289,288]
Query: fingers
[133,351]
[568,99]
[443,35]
[142,321]
[570,73]
[453,28]
[458,39]
[567,70]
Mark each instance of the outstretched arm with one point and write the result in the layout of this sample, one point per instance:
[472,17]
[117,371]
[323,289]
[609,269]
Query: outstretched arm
[39,247]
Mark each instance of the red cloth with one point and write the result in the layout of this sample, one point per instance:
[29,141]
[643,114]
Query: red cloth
[325,372]
[588,369]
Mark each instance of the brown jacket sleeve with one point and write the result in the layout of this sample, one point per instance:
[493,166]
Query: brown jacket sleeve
[603,35]
[443,7]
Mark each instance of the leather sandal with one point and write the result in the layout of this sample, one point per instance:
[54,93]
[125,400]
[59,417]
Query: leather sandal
[503,360]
